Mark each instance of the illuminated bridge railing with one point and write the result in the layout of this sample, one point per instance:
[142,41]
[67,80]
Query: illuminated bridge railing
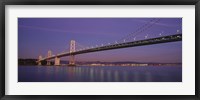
[164,39]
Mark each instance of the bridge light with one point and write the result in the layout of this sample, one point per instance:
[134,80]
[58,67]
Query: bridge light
[177,31]
[124,40]
[108,43]
[146,36]
[101,44]
[116,42]
[160,34]
[134,38]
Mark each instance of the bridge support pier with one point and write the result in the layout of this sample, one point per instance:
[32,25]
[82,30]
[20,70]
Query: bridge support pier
[57,61]
[72,61]
[39,63]
[39,60]
[48,62]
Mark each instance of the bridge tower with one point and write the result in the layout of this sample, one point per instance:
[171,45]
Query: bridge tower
[49,55]
[39,60]
[72,57]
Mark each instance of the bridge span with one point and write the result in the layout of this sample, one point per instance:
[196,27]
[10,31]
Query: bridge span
[73,52]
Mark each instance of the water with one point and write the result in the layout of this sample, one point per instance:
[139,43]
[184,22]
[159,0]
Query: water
[99,74]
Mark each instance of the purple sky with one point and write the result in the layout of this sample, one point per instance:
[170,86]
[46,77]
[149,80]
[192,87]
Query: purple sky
[38,35]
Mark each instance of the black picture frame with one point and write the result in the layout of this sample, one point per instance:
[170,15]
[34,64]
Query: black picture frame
[99,2]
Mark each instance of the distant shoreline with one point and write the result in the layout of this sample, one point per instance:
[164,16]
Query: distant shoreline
[25,62]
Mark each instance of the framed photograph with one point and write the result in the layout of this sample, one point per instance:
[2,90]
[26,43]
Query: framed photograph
[139,49]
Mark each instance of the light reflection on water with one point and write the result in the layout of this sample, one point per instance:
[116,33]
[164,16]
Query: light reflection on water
[99,74]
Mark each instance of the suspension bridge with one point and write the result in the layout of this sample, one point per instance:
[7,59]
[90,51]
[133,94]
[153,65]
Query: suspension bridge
[125,42]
